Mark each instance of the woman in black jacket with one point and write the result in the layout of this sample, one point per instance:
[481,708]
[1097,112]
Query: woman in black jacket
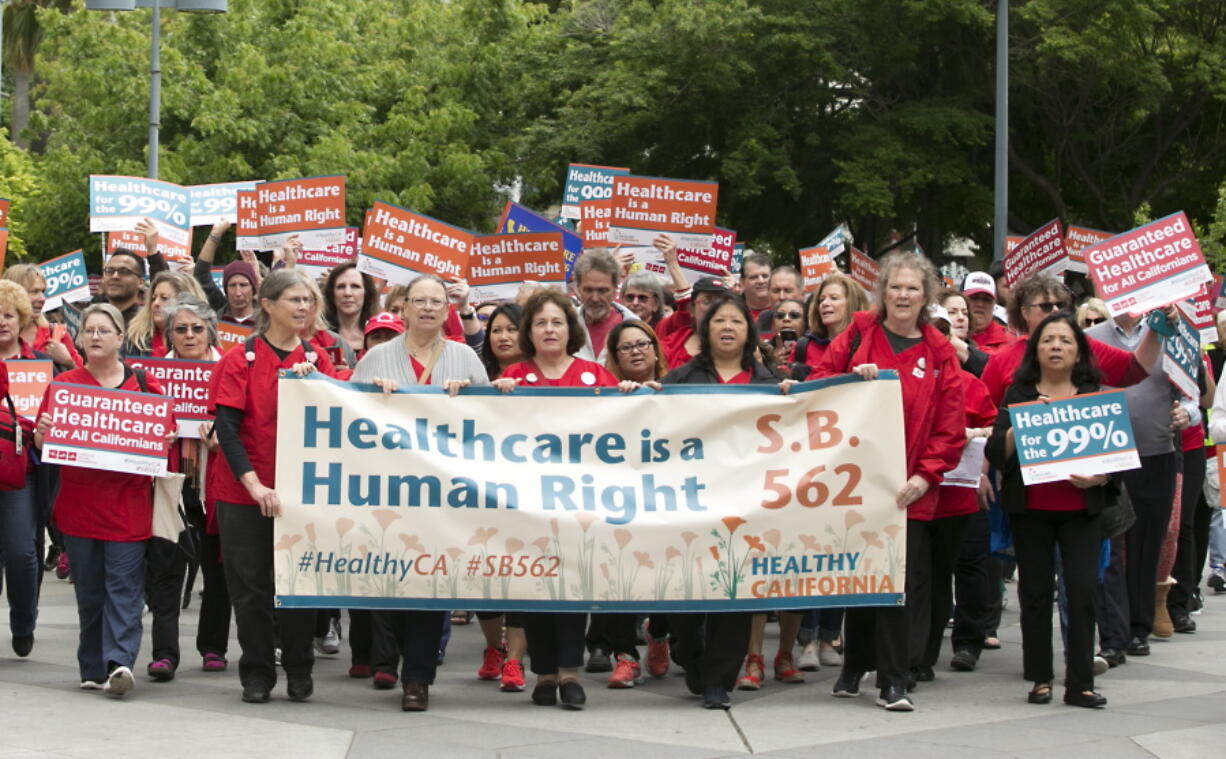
[1057,365]
[727,339]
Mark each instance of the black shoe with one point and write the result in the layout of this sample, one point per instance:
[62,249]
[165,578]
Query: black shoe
[256,693]
[1089,700]
[1137,647]
[895,699]
[1114,658]
[1197,602]
[299,688]
[23,644]
[1039,694]
[545,694]
[716,698]
[923,674]
[693,679]
[573,696]
[598,661]
[848,684]
[1183,623]
[53,558]
[964,660]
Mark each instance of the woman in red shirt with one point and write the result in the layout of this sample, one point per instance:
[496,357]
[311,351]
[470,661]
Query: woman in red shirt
[105,518]
[898,336]
[244,395]
[1057,364]
[550,335]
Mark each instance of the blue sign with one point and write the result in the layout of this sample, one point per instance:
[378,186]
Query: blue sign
[66,278]
[584,182]
[1181,354]
[1083,435]
[517,218]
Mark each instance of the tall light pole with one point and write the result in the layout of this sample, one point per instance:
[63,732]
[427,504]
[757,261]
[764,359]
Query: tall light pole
[1000,221]
[155,53]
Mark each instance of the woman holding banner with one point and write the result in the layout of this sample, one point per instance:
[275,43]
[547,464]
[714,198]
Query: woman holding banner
[728,337]
[422,357]
[105,518]
[1058,364]
[244,396]
[145,333]
[550,335]
[53,340]
[898,336]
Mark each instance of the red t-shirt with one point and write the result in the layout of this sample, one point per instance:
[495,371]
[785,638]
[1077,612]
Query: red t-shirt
[251,387]
[599,331]
[580,373]
[1055,496]
[98,503]
[739,379]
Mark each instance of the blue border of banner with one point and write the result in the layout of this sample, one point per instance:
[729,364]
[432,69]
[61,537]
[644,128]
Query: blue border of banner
[782,603]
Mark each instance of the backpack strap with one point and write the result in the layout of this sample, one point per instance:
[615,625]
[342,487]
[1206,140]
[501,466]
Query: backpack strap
[141,381]
[855,345]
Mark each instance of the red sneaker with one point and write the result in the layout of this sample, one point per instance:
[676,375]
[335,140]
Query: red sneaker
[657,654]
[627,673]
[360,671]
[384,681]
[491,666]
[512,676]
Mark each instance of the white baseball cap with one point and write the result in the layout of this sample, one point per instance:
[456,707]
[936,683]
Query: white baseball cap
[979,282]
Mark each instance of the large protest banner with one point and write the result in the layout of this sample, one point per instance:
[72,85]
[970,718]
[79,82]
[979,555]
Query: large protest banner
[1084,435]
[501,263]
[585,182]
[187,382]
[118,204]
[643,207]
[695,498]
[67,279]
[212,203]
[313,208]
[99,428]
[398,245]
[516,218]
[1148,267]
[1042,251]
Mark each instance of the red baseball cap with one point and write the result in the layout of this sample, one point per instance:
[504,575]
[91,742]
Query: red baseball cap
[384,320]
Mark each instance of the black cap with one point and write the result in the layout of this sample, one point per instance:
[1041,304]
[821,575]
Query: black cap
[710,285]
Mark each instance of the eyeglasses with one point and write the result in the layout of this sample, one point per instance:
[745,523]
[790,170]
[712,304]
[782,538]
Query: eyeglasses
[637,345]
[636,297]
[788,314]
[99,332]
[483,317]
[118,271]
[302,300]
[195,329]
[428,302]
[1048,306]
[1090,321]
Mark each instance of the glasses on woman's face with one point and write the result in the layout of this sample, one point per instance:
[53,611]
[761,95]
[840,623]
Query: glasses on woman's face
[1090,321]
[793,315]
[1048,306]
[636,297]
[304,300]
[638,345]
[435,303]
[98,332]
[195,329]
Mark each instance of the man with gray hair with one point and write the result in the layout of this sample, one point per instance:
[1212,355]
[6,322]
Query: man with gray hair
[595,278]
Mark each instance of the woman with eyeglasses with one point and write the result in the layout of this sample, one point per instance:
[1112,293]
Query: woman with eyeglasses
[1034,299]
[105,518]
[634,353]
[145,334]
[1092,311]
[40,335]
[244,395]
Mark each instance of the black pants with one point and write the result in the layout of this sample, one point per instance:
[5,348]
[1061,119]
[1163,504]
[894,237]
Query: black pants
[1036,534]
[1111,601]
[877,638]
[971,590]
[165,571]
[555,640]
[715,644]
[1152,488]
[928,626]
[417,635]
[1186,571]
[361,636]
[612,632]
[213,631]
[246,549]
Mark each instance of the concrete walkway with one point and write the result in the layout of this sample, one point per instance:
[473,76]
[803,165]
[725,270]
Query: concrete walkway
[1168,705]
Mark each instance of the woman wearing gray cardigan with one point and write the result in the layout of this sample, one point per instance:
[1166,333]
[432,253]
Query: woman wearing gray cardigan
[422,356]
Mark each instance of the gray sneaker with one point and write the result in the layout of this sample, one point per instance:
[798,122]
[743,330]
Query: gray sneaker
[808,661]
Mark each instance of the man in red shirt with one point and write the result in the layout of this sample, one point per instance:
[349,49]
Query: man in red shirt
[980,291]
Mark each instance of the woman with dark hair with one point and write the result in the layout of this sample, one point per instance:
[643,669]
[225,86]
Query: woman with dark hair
[500,349]
[1057,364]
[634,353]
[727,338]
[350,299]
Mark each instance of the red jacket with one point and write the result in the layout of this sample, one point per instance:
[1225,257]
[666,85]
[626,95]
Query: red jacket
[993,339]
[934,409]
[953,501]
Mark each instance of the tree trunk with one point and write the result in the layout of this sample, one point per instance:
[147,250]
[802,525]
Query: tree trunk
[21,107]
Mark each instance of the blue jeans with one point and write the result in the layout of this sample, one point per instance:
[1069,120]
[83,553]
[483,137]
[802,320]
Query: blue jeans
[109,579]
[19,524]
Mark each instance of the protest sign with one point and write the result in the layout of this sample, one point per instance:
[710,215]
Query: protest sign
[398,245]
[232,334]
[72,320]
[212,203]
[1148,267]
[66,279]
[218,273]
[247,225]
[1042,251]
[118,204]
[100,428]
[172,251]
[1202,315]
[713,261]
[1076,240]
[738,258]
[970,466]
[516,218]
[317,263]
[4,212]
[581,499]
[1084,435]
[1219,453]
[815,265]
[595,216]
[643,207]
[313,208]
[28,380]
[4,246]
[187,382]
[501,263]
[4,232]
[585,183]
[863,269]
[1180,349]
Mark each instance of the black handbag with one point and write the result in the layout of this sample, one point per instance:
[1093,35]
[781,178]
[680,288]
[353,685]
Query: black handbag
[1118,517]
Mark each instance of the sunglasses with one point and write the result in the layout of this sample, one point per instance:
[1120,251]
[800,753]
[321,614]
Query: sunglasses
[195,329]
[1048,306]
[1090,321]
[788,314]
